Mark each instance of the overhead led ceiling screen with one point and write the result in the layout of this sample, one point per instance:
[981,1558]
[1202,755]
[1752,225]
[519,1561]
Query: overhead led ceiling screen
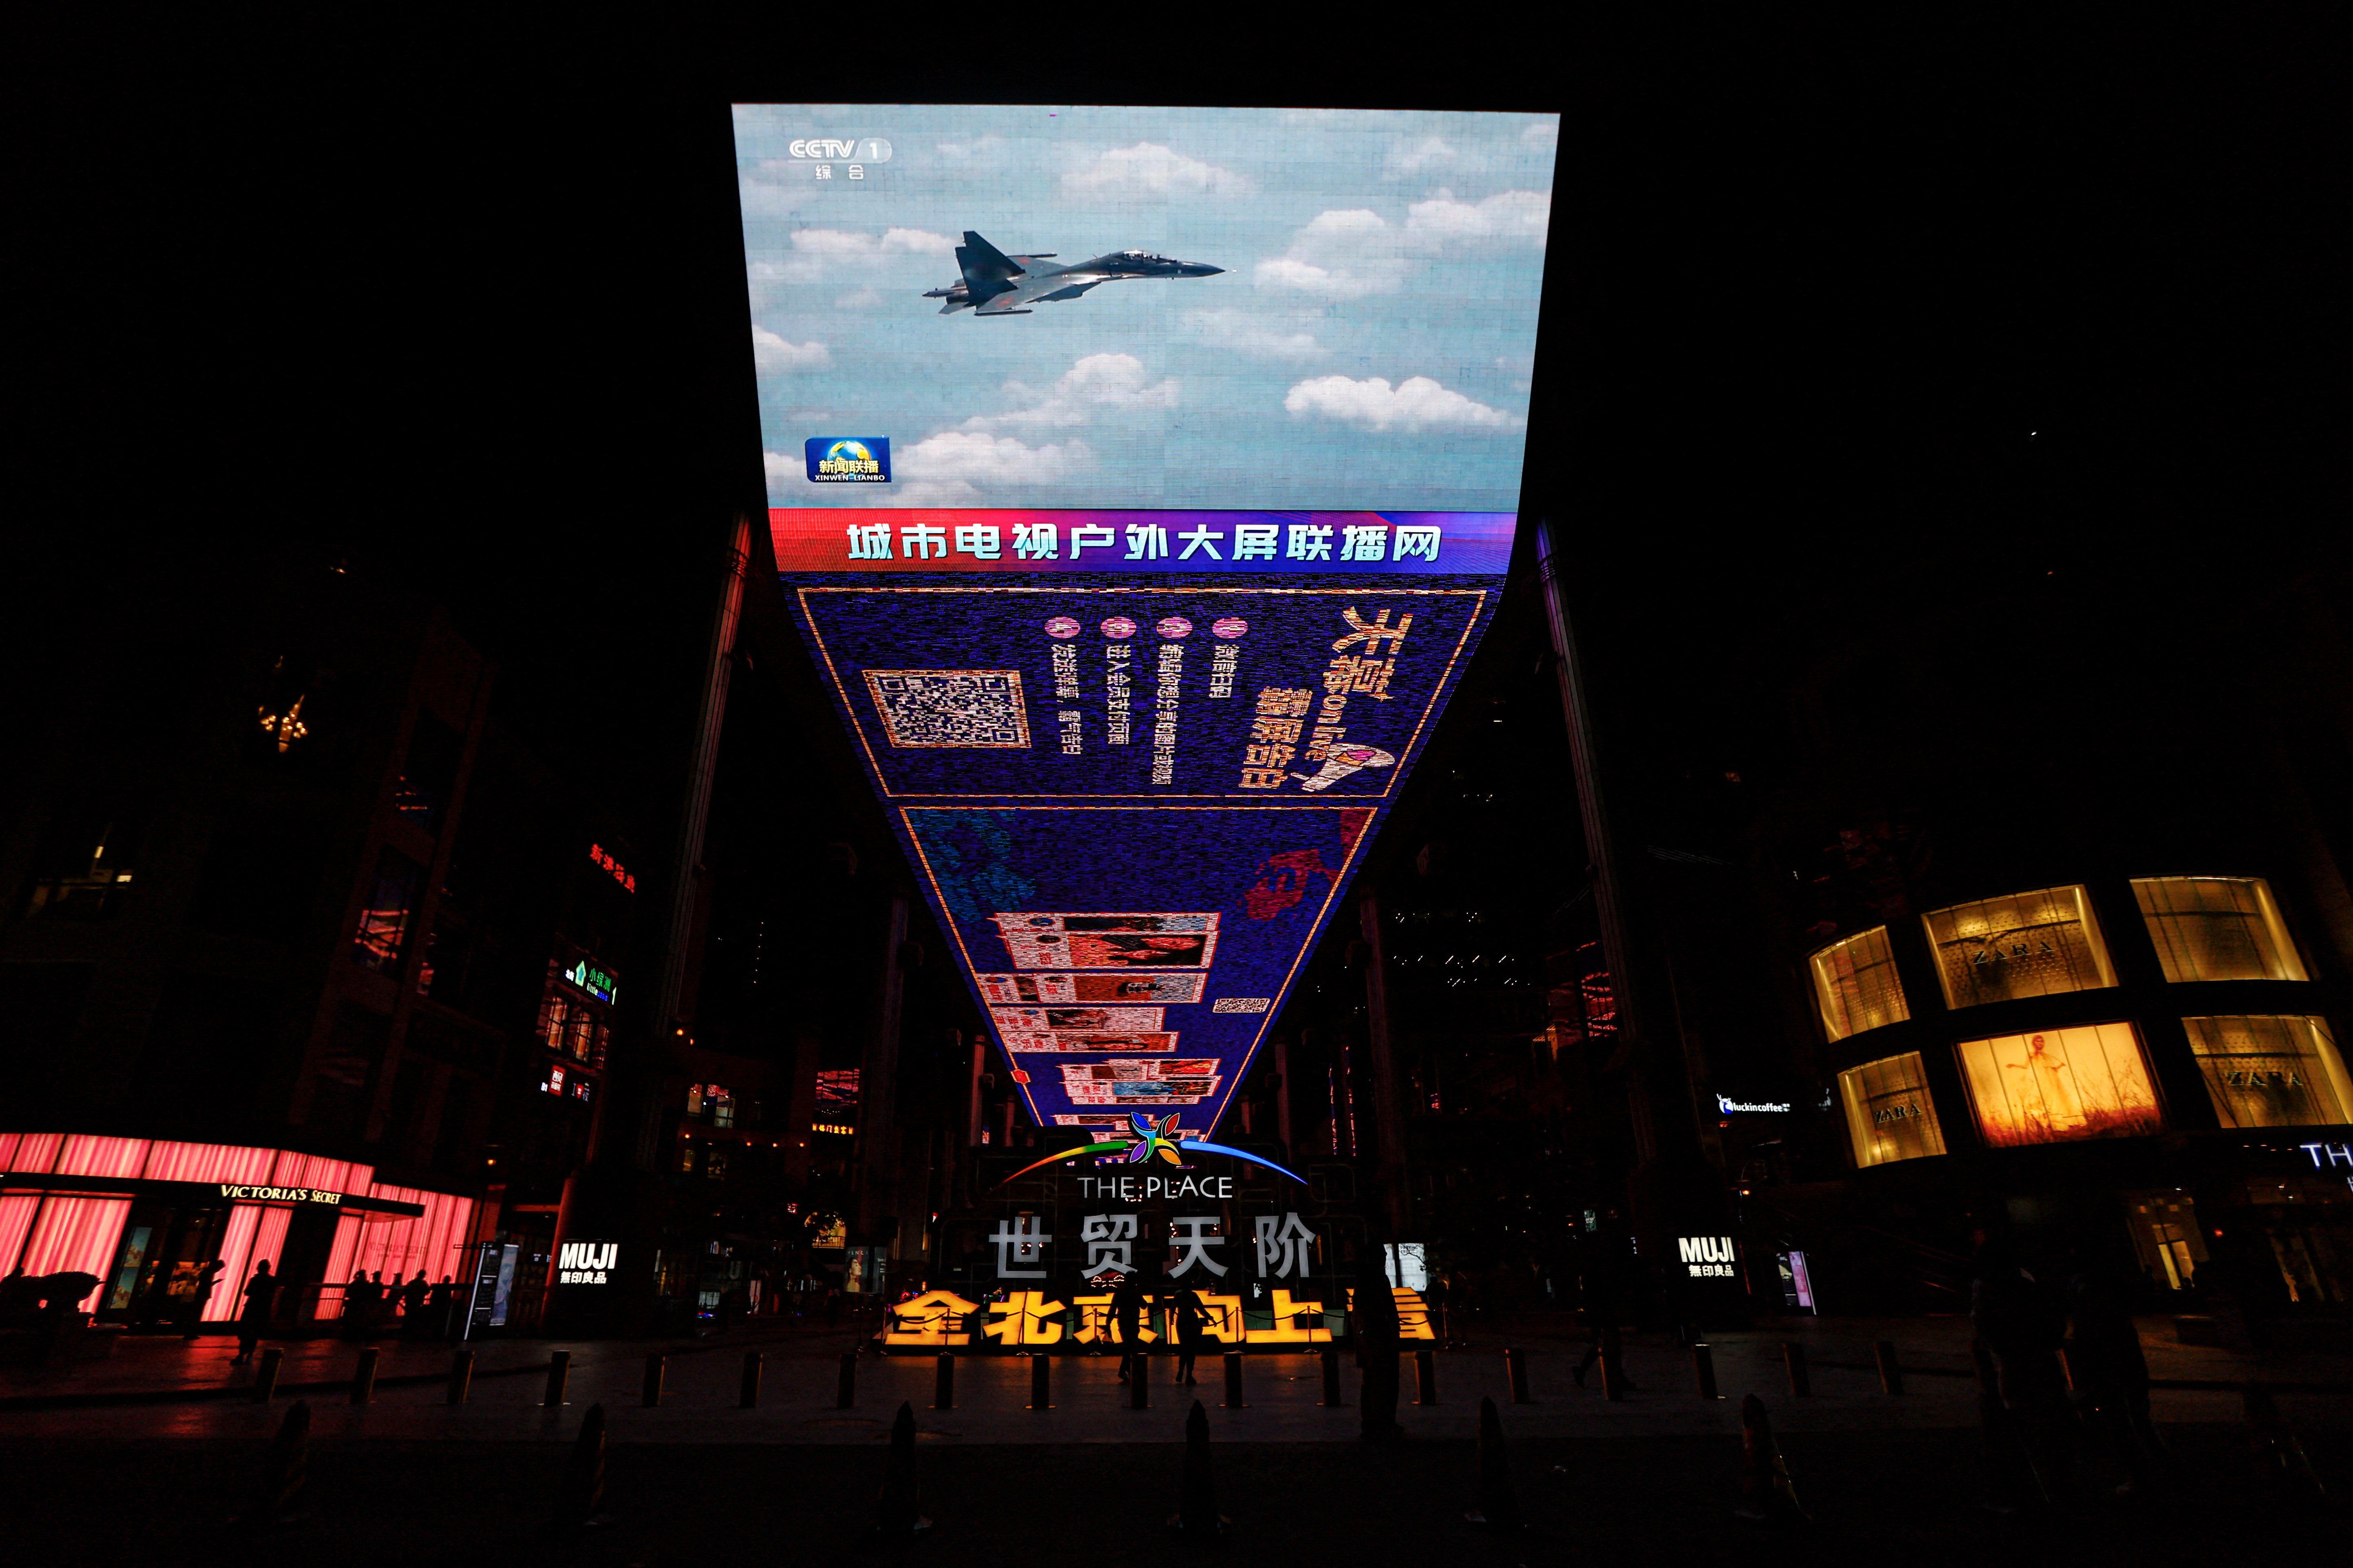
[1143,480]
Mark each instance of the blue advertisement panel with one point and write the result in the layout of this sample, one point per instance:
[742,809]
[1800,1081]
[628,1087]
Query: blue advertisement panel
[1139,604]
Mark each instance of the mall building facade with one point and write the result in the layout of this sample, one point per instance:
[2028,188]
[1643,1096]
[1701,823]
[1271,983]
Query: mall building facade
[307,958]
[2067,939]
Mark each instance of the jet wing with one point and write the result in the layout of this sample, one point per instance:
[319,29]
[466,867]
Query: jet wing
[1025,291]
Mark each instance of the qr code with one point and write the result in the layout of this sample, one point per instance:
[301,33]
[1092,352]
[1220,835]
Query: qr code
[1239,1005]
[957,707]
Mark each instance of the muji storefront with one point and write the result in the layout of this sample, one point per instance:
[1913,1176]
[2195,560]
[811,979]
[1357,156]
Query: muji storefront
[144,1216]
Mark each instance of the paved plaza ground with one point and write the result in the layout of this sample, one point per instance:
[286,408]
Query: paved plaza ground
[125,1458]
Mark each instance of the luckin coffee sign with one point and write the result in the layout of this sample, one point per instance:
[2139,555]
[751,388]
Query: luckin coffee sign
[586,1262]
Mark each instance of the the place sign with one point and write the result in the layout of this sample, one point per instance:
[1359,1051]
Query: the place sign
[1730,1105]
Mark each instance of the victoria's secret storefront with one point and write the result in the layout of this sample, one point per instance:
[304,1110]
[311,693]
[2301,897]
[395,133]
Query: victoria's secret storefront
[145,1215]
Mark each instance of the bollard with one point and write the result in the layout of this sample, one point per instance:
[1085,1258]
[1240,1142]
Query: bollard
[1233,1380]
[1499,1507]
[748,1394]
[897,1512]
[1767,1493]
[461,1376]
[1331,1360]
[1613,1370]
[944,1383]
[1041,1387]
[283,1470]
[1197,1513]
[1704,1364]
[845,1389]
[363,1376]
[1139,1384]
[1891,1371]
[1515,1364]
[559,1371]
[581,1487]
[265,1376]
[650,1394]
[1793,1354]
[1425,1377]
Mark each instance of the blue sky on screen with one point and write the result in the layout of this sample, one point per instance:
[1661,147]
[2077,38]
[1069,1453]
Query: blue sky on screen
[1369,347]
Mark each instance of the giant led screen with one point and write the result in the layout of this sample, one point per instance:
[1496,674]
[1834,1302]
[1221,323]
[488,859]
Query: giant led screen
[1142,479]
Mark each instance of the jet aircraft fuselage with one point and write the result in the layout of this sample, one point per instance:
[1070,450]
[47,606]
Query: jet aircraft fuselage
[996,284]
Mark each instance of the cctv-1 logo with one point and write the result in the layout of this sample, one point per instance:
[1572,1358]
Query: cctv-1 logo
[869,150]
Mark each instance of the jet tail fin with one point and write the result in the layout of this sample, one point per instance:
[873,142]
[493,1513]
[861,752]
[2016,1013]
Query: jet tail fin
[988,271]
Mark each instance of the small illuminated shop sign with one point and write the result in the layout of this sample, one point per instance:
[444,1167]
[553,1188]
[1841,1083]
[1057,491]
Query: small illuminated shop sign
[1707,1257]
[597,982]
[586,1262]
[280,1195]
[1730,1105]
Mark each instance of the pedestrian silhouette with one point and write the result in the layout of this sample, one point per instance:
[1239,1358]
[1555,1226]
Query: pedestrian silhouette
[254,1316]
[1127,1324]
[1192,1320]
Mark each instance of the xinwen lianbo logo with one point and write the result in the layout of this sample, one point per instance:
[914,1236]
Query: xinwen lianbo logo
[848,460]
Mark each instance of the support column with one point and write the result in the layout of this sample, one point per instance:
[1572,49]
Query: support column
[1388,1109]
[878,1082]
[1283,1098]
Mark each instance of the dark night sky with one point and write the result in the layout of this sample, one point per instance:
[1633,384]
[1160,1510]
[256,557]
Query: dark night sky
[1961,291]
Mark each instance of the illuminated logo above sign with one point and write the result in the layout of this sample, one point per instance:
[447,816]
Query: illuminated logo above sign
[1141,1142]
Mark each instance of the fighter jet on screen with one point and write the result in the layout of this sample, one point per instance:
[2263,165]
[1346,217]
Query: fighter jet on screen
[996,284]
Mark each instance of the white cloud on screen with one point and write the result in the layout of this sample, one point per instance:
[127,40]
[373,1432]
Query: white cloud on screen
[857,300]
[849,245]
[1542,133]
[1343,254]
[949,468]
[1255,337]
[1415,405]
[1149,168]
[1107,383]
[1511,215]
[771,355]
[1411,158]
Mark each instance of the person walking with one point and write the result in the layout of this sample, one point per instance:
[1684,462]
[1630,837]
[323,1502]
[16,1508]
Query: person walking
[191,1310]
[1192,1323]
[412,1307]
[355,1305]
[1378,1335]
[2109,1373]
[254,1316]
[2020,1322]
[1127,1324]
